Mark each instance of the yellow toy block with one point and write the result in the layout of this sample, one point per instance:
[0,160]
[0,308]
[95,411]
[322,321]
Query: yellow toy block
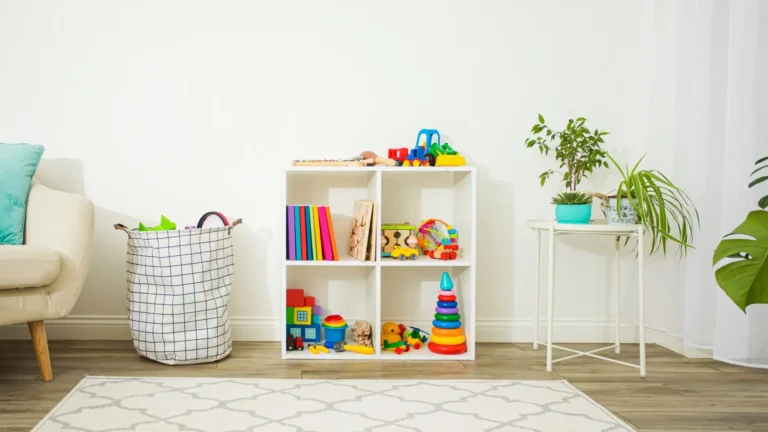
[450,160]
[302,315]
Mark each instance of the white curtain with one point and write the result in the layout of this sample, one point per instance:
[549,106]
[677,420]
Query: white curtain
[708,115]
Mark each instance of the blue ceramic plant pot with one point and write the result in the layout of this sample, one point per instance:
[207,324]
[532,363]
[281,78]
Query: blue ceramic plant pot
[573,213]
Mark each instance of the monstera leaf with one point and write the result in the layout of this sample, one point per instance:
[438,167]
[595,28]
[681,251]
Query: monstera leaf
[745,280]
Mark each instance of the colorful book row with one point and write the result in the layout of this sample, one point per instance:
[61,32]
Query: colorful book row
[309,234]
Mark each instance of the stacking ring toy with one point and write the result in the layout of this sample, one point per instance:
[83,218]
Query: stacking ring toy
[446,324]
[447,311]
[444,317]
[446,292]
[446,298]
[447,349]
[447,340]
[446,332]
[447,304]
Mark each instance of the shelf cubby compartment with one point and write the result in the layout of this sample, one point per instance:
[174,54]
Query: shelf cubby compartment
[338,190]
[346,291]
[409,297]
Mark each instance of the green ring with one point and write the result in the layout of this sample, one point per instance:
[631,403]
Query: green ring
[451,317]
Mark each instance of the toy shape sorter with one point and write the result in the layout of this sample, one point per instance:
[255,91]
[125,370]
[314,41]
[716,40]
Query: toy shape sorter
[302,316]
[447,336]
[402,235]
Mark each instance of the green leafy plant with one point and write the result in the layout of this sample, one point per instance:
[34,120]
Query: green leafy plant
[763,203]
[745,278]
[578,150]
[665,210]
[571,198]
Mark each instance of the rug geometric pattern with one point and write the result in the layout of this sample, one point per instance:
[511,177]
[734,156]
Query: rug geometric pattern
[201,404]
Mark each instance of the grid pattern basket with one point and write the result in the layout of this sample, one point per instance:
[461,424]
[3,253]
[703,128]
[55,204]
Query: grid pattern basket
[179,283]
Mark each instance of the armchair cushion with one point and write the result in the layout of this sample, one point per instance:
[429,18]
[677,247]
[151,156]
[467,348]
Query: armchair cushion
[18,163]
[27,266]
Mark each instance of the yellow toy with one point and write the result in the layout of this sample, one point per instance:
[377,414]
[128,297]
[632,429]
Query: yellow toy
[302,315]
[316,349]
[447,340]
[403,253]
[359,349]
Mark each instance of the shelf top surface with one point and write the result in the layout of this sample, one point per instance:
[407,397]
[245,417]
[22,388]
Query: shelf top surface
[385,262]
[594,226]
[353,169]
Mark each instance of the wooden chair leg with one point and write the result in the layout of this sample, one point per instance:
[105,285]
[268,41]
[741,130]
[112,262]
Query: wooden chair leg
[40,342]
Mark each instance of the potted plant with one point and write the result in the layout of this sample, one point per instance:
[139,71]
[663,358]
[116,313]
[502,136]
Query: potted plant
[745,278]
[648,197]
[572,207]
[578,150]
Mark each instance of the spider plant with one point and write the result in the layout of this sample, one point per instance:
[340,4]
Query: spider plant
[664,209]
[571,198]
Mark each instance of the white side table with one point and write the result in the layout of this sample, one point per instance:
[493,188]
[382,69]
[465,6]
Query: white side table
[593,228]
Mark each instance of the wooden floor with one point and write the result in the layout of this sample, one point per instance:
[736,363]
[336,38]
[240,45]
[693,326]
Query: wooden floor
[678,394]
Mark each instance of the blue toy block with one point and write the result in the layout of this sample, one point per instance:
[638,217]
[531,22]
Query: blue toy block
[312,333]
[294,330]
[316,319]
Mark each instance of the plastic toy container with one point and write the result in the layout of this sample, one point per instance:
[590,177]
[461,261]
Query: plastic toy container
[335,329]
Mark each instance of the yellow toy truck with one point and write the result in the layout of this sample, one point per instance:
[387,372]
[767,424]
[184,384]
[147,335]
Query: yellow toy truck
[404,253]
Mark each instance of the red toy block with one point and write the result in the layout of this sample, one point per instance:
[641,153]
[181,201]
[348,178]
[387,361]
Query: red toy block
[294,297]
[309,301]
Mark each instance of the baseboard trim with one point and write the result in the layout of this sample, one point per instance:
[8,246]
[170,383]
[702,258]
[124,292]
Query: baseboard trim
[111,327]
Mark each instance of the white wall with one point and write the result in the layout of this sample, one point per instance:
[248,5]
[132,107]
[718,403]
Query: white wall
[180,107]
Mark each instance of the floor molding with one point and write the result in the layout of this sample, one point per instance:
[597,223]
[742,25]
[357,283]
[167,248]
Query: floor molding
[110,327]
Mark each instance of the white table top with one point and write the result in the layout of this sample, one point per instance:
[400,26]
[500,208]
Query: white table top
[593,227]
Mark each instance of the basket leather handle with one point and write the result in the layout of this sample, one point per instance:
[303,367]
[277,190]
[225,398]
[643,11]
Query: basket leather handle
[119,226]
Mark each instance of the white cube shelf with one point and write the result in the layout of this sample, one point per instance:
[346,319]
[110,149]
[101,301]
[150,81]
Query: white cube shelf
[386,289]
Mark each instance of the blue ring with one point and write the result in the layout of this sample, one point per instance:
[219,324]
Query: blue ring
[447,324]
[452,304]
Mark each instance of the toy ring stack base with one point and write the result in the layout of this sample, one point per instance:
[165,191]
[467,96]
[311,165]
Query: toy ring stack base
[447,349]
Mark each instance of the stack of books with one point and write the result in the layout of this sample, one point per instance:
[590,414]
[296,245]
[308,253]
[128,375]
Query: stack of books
[309,234]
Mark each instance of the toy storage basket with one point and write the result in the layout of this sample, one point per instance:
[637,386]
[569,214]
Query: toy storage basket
[179,284]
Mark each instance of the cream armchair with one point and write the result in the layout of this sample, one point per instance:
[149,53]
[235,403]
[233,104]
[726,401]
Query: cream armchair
[42,279]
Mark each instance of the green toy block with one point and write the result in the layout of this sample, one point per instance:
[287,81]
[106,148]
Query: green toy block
[165,225]
[289,315]
[316,319]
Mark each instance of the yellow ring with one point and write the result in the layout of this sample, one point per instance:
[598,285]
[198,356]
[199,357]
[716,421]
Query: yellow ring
[447,340]
[335,325]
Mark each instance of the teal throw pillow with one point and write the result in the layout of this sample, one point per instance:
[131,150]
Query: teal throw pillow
[18,163]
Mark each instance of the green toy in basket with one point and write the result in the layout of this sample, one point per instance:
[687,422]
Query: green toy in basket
[165,225]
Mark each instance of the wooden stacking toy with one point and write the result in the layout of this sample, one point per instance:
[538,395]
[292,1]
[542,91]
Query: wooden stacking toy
[447,336]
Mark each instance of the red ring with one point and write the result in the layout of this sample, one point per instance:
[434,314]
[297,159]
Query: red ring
[446,298]
[447,349]
[209,214]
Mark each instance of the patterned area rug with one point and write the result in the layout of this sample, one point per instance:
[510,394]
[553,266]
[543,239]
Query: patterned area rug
[201,404]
